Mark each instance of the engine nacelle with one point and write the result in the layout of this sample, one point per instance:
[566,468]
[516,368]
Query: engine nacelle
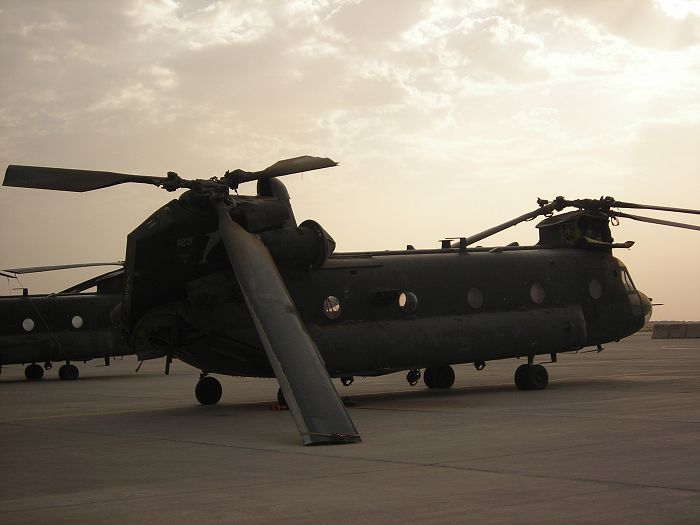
[306,245]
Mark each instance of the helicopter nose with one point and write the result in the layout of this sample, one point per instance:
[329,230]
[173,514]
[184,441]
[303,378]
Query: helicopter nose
[646,307]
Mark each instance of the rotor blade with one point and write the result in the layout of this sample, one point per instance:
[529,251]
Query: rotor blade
[318,412]
[37,269]
[65,179]
[284,167]
[91,283]
[543,210]
[655,221]
[618,204]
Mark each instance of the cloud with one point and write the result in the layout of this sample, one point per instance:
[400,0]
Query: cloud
[216,24]
[658,24]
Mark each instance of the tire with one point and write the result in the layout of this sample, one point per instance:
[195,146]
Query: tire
[520,377]
[439,376]
[34,372]
[68,372]
[539,377]
[445,376]
[531,377]
[429,377]
[208,391]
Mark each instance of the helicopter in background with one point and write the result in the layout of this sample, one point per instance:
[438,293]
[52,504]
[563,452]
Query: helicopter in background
[231,284]
[69,326]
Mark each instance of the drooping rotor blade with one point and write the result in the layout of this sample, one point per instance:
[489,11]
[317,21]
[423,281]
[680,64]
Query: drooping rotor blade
[282,167]
[655,221]
[37,269]
[91,283]
[65,179]
[543,210]
[619,204]
[318,412]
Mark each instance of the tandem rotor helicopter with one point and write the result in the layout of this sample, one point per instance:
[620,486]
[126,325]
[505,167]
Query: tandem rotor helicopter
[231,284]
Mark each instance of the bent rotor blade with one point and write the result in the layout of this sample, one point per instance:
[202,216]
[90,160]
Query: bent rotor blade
[655,221]
[318,412]
[285,167]
[37,269]
[65,179]
[618,204]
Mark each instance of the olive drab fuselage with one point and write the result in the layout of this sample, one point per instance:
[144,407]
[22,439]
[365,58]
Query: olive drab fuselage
[371,313]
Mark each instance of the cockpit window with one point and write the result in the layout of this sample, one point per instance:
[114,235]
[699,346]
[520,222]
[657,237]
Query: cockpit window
[627,281]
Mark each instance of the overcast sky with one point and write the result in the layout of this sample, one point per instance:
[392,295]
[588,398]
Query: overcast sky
[446,117]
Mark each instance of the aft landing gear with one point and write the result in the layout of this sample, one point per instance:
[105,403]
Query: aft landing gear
[531,377]
[34,372]
[439,376]
[208,390]
[68,372]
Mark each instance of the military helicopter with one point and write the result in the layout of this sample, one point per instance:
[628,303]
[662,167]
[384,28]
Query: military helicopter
[230,284]
[68,326]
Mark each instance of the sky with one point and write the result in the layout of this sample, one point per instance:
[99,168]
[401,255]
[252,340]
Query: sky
[446,117]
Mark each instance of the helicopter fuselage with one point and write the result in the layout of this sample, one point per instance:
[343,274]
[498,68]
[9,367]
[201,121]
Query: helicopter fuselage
[371,314]
[376,312]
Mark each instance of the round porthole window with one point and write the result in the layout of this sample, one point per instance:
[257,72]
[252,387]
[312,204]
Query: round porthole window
[537,293]
[331,307]
[408,301]
[77,321]
[595,289]
[28,325]
[475,298]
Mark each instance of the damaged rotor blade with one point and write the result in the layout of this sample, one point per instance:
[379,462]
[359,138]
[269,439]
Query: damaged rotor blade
[65,179]
[655,221]
[283,167]
[308,390]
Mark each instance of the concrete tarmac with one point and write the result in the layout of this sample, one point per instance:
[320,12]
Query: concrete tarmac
[615,438]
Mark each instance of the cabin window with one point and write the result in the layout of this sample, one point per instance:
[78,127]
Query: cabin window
[595,288]
[627,281]
[77,321]
[408,301]
[475,298]
[537,293]
[28,325]
[331,307]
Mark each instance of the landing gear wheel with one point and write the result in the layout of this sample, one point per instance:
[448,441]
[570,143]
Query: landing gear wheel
[531,377]
[208,391]
[281,401]
[68,372]
[439,376]
[520,377]
[34,372]
[539,378]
